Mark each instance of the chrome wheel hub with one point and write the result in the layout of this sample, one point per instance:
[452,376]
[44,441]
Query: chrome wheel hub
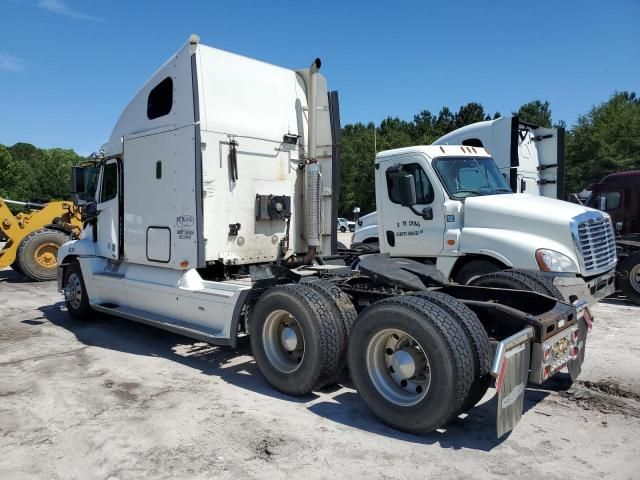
[289,339]
[634,278]
[283,341]
[398,366]
[73,291]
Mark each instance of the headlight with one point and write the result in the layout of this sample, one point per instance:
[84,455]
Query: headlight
[552,261]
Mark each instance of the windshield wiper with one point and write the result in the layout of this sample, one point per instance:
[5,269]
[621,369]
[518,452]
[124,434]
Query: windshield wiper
[503,190]
[478,192]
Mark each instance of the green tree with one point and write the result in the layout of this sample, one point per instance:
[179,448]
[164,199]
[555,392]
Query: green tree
[30,173]
[357,175]
[536,112]
[445,122]
[605,140]
[470,113]
[16,178]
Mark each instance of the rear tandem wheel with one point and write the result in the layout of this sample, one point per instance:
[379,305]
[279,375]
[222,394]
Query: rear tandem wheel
[412,363]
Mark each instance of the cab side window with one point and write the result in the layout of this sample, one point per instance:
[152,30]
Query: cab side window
[109,182]
[424,189]
[613,199]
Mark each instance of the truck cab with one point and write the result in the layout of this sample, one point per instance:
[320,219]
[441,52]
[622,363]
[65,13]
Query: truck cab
[452,206]
[213,215]
[618,195]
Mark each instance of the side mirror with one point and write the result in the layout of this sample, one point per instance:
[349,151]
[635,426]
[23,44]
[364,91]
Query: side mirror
[78,186]
[602,203]
[407,187]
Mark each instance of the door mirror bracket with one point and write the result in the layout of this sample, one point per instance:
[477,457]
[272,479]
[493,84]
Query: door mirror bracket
[426,213]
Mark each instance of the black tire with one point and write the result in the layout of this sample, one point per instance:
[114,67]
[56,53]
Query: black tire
[322,336]
[471,324]
[473,269]
[343,309]
[629,269]
[343,229]
[78,307]
[450,355]
[364,247]
[341,246]
[544,283]
[29,247]
[517,280]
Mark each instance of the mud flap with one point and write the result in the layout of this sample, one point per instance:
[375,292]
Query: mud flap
[584,326]
[511,369]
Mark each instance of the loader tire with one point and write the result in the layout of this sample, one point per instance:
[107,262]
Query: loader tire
[519,280]
[629,277]
[479,339]
[343,309]
[76,298]
[37,254]
[296,339]
[412,363]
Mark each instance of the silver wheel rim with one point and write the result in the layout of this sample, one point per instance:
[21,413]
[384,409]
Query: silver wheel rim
[283,341]
[399,367]
[634,278]
[73,291]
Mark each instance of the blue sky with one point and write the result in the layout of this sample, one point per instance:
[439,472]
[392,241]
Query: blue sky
[68,67]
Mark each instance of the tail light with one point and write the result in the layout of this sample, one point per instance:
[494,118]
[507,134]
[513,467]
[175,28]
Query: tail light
[574,336]
[546,352]
[574,352]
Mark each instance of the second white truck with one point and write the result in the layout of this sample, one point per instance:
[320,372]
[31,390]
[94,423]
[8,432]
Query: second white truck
[468,222]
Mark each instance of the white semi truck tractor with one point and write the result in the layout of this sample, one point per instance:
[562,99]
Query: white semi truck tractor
[214,217]
[468,222]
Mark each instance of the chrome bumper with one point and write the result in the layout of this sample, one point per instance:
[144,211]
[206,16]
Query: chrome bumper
[518,360]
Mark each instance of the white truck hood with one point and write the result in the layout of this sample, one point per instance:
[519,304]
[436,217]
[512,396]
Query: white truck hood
[516,225]
[519,210]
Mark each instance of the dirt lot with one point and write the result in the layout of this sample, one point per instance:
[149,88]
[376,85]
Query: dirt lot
[112,399]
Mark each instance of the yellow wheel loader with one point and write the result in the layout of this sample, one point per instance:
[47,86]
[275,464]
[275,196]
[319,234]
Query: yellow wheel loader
[33,238]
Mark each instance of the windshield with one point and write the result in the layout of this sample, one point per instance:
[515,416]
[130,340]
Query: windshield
[469,177]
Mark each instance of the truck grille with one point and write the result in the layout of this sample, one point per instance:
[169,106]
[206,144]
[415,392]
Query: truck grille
[597,245]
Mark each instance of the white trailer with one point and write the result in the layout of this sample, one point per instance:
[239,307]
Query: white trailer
[214,217]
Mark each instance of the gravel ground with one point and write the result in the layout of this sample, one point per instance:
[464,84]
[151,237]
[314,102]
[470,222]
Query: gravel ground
[112,399]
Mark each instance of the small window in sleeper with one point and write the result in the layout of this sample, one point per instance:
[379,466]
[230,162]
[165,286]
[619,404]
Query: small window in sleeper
[160,99]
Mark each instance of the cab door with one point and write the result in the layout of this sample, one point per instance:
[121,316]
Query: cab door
[108,222]
[405,231]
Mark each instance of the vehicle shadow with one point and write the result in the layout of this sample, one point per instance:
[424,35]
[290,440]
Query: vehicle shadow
[235,366]
[9,275]
[618,300]
[473,430]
